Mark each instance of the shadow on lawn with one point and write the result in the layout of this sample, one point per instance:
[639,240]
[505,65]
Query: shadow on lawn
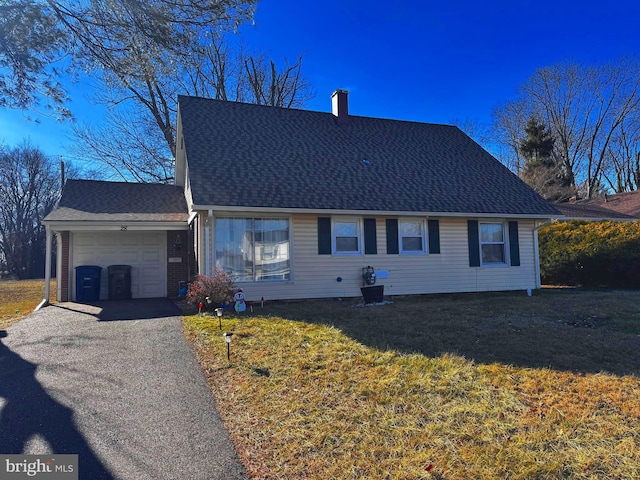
[572,330]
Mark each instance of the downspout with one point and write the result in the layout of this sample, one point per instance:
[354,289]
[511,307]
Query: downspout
[208,236]
[536,253]
[47,271]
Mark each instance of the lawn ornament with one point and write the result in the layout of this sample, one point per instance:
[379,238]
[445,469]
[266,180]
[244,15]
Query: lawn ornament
[239,299]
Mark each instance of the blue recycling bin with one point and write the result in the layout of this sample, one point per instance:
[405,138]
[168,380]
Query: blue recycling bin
[88,283]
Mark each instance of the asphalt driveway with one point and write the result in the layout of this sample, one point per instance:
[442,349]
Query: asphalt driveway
[116,383]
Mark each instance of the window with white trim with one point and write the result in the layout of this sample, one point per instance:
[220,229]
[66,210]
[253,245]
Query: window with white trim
[346,238]
[492,244]
[412,236]
[253,249]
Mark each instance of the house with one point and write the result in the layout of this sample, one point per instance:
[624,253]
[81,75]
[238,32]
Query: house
[618,207]
[297,203]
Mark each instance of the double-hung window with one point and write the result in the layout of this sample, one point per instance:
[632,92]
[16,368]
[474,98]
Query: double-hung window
[412,236]
[253,249]
[492,244]
[347,237]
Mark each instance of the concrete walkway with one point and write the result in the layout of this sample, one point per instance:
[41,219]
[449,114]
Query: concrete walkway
[116,383]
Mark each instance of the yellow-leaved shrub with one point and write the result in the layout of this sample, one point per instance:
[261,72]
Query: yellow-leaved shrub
[594,254]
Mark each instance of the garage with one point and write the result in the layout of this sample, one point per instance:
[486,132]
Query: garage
[145,251]
[142,225]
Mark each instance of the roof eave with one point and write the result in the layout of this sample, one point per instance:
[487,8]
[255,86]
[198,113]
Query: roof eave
[116,225]
[595,219]
[391,213]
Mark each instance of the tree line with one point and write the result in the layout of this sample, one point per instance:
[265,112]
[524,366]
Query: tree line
[574,129]
[29,188]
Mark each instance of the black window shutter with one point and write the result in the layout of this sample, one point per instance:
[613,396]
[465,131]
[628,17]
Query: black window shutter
[324,236]
[434,236]
[392,236]
[474,243]
[370,240]
[514,244]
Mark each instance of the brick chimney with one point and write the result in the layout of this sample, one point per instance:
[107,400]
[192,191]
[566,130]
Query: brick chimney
[340,106]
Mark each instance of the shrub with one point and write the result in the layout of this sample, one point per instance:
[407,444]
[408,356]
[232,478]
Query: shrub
[594,254]
[219,288]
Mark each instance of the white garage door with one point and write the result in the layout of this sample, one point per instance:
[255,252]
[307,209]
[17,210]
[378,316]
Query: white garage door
[144,251]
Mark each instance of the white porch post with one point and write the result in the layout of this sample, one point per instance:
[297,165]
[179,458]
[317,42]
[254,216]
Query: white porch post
[47,270]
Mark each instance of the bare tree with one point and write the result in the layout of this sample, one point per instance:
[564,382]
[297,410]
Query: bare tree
[29,187]
[508,129]
[478,131]
[623,167]
[584,107]
[137,139]
[32,50]
[129,143]
[135,49]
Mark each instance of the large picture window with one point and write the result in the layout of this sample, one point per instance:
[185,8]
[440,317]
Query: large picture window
[253,249]
[492,243]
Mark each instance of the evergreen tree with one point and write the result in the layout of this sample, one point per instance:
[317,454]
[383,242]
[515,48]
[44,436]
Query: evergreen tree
[541,170]
[537,146]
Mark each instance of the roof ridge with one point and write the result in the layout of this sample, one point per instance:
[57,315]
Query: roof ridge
[321,112]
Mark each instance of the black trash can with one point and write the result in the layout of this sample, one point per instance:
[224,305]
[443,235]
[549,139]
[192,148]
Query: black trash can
[119,282]
[88,283]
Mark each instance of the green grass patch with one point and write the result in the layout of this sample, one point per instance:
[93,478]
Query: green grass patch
[432,387]
[19,298]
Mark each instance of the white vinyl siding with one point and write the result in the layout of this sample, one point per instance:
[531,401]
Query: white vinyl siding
[315,276]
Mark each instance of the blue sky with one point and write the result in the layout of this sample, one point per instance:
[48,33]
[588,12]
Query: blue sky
[415,60]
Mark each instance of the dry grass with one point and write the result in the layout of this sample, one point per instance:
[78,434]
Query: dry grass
[449,386]
[19,297]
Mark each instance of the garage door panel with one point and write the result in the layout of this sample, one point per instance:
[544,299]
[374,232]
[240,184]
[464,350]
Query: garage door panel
[129,258]
[84,240]
[150,256]
[84,257]
[144,251]
[149,240]
[148,278]
[105,256]
[107,241]
[129,240]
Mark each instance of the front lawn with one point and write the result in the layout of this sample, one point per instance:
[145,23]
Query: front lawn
[477,386]
[19,297]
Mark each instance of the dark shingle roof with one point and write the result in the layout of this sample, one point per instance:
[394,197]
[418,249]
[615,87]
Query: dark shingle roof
[258,156]
[589,211]
[625,203]
[91,200]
